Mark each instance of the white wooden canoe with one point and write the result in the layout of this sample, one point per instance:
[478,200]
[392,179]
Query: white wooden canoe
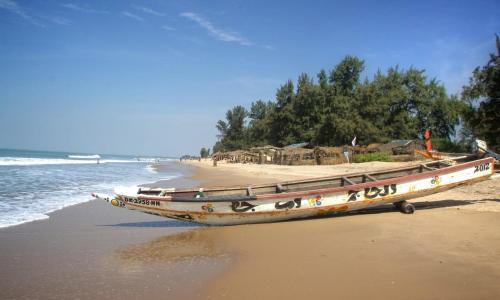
[304,198]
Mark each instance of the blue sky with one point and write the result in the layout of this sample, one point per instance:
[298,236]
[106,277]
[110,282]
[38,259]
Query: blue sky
[153,77]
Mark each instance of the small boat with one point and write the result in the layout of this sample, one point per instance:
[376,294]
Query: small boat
[304,198]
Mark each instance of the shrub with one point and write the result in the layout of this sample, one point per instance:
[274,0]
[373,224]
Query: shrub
[445,145]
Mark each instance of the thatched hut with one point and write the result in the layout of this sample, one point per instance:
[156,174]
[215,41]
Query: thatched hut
[373,148]
[241,156]
[399,147]
[267,154]
[218,156]
[297,156]
[330,155]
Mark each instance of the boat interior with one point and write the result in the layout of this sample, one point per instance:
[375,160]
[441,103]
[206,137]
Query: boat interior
[245,193]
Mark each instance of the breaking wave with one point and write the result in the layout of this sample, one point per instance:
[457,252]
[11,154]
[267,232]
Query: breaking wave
[32,161]
[95,156]
[31,194]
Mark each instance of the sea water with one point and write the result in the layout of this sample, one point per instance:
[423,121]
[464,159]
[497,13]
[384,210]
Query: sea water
[36,183]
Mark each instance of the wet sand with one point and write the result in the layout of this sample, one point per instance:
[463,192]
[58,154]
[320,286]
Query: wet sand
[89,251]
[74,254]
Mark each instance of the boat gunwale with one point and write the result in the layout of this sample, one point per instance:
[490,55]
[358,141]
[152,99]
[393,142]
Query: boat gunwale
[357,186]
[198,216]
[308,180]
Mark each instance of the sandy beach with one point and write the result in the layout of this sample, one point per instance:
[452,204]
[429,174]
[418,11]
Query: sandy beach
[448,249]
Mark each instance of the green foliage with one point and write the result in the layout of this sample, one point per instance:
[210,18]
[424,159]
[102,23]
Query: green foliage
[204,152]
[483,120]
[218,147]
[282,120]
[445,145]
[258,129]
[396,104]
[377,156]
[232,132]
[344,78]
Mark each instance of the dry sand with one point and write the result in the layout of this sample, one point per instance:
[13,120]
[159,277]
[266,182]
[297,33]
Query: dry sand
[449,249]
[282,172]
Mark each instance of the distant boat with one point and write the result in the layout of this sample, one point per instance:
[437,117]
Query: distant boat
[304,198]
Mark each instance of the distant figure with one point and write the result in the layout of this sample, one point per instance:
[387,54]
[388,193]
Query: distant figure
[98,161]
[427,137]
[346,153]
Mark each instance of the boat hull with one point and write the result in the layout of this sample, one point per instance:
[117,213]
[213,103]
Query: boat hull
[303,204]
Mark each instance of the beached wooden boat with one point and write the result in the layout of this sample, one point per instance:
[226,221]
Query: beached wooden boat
[304,198]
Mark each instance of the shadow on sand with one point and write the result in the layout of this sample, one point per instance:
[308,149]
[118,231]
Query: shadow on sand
[422,205]
[165,224]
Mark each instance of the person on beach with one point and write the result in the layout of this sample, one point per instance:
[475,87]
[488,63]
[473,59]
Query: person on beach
[346,153]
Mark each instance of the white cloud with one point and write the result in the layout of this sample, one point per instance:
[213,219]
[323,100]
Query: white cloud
[87,10]
[14,8]
[132,16]
[219,34]
[58,20]
[268,47]
[167,28]
[149,11]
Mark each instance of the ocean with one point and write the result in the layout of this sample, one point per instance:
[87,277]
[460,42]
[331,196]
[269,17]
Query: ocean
[36,183]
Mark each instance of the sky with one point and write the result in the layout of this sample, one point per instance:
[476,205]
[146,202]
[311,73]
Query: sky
[153,77]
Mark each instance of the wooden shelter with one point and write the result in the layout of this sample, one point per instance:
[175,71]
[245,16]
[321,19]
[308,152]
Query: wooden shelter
[241,156]
[297,156]
[267,154]
[330,155]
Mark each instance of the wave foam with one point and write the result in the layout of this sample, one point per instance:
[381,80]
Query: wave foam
[31,161]
[34,214]
[95,156]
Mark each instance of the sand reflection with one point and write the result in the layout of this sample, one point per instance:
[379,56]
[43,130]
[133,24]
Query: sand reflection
[199,243]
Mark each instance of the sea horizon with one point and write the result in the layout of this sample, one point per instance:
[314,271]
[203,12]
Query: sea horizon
[20,149]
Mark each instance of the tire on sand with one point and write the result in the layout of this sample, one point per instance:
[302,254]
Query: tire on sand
[407,208]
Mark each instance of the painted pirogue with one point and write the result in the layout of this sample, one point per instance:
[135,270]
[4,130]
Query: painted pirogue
[304,198]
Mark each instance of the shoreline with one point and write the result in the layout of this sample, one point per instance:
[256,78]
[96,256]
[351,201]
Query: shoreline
[90,251]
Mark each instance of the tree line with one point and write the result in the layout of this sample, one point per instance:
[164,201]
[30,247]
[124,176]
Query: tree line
[396,104]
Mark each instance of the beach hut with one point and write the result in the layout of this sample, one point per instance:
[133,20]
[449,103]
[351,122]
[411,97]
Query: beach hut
[267,154]
[329,155]
[242,156]
[297,156]
[399,147]
[219,156]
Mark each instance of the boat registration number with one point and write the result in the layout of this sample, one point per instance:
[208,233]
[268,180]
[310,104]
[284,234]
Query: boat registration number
[483,167]
[142,201]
